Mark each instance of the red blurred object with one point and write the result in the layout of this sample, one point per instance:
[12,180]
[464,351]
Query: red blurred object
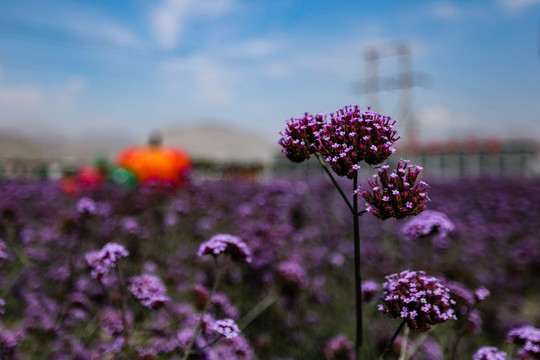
[453,146]
[69,184]
[155,164]
[492,145]
[90,177]
[433,147]
[472,145]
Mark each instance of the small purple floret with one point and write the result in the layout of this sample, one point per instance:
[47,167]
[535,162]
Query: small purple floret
[226,328]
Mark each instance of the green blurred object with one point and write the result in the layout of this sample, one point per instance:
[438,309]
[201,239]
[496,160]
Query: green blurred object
[103,164]
[124,178]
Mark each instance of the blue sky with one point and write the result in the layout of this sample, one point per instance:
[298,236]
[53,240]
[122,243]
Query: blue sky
[105,68]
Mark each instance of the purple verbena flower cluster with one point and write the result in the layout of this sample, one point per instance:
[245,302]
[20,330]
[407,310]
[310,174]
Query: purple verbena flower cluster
[299,138]
[149,289]
[489,353]
[101,261]
[420,300]
[226,244]
[529,338]
[396,195]
[352,135]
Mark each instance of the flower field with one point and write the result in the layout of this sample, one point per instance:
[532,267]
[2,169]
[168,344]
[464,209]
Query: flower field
[115,274]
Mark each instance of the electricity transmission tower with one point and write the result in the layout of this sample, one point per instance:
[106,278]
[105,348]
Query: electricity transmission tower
[405,80]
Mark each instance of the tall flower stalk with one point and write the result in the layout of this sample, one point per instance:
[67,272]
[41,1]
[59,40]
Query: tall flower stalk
[341,141]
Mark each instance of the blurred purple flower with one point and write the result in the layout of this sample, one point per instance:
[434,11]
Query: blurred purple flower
[86,206]
[463,297]
[421,300]
[339,348]
[474,322]
[2,305]
[3,254]
[226,244]
[101,261]
[293,275]
[9,340]
[149,290]
[111,321]
[481,293]
[236,348]
[489,353]
[528,337]
[369,289]
[397,195]
[428,223]
[131,226]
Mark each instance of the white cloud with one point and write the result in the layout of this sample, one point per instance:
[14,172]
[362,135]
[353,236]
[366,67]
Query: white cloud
[96,26]
[277,69]
[517,5]
[438,121]
[117,34]
[32,110]
[255,48]
[170,17]
[20,96]
[207,80]
[445,10]
[66,94]
[435,116]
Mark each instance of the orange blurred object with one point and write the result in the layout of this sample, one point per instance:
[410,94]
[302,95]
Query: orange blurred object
[156,164]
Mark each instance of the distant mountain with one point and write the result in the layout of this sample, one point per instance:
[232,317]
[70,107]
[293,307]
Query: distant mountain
[14,146]
[222,144]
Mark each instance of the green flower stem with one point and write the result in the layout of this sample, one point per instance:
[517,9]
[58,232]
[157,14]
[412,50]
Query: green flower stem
[257,310]
[356,233]
[250,316]
[325,167]
[416,345]
[357,272]
[389,345]
[403,352]
[460,331]
[201,319]
[122,288]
